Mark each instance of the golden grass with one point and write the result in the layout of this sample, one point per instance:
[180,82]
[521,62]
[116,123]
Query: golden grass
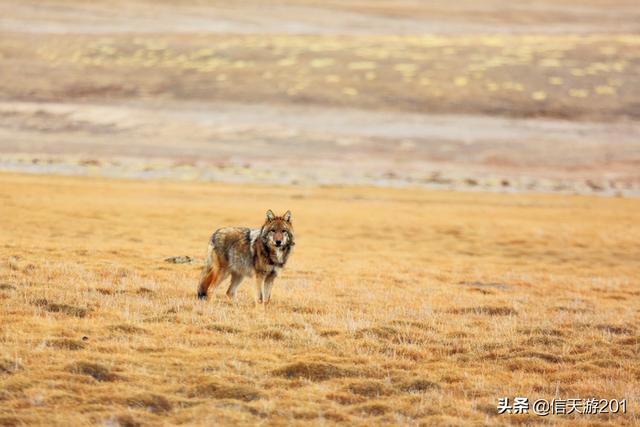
[398,307]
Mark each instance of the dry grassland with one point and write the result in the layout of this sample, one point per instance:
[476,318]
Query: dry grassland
[398,307]
[592,76]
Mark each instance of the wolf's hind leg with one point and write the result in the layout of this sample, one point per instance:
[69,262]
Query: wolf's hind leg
[211,280]
[221,274]
[212,274]
[236,279]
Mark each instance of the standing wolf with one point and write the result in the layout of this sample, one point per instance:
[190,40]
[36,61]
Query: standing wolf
[241,252]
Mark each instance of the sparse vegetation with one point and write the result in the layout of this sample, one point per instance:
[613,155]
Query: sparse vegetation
[559,76]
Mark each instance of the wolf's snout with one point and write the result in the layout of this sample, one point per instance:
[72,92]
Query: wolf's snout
[278,242]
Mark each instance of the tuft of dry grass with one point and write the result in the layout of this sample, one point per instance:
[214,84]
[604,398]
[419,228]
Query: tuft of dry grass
[220,391]
[95,370]
[61,308]
[151,402]
[8,366]
[378,319]
[313,371]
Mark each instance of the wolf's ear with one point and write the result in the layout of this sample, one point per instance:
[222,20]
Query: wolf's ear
[287,216]
[270,215]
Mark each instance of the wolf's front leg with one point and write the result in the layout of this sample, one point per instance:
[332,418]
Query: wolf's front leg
[259,288]
[268,284]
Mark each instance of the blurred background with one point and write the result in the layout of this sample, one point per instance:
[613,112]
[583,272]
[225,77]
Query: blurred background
[475,95]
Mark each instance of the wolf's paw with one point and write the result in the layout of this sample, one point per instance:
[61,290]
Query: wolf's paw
[202,295]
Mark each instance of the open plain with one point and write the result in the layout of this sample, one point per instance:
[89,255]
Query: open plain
[398,306]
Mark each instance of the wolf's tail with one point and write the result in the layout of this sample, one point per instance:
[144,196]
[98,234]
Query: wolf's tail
[205,276]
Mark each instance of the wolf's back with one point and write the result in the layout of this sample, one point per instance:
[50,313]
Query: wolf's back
[232,246]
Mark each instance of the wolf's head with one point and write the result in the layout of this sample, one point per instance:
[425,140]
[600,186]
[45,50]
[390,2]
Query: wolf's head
[277,231]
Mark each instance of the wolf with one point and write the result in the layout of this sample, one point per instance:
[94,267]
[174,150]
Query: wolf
[240,252]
